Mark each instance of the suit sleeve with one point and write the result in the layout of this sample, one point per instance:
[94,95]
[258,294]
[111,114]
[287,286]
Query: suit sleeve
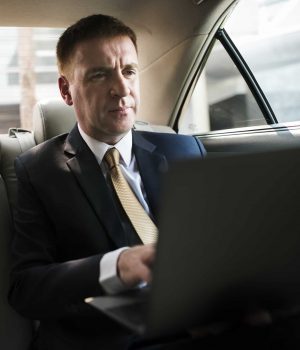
[41,286]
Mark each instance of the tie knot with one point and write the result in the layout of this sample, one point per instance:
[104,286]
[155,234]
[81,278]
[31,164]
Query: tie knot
[112,157]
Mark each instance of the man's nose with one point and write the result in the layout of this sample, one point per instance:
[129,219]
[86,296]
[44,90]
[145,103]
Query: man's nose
[120,86]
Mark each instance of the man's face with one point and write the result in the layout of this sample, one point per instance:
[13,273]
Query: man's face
[103,86]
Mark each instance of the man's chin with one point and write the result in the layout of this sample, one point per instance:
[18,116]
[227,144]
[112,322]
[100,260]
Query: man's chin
[114,136]
[122,129]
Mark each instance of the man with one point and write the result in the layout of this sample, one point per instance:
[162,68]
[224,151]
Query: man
[73,231]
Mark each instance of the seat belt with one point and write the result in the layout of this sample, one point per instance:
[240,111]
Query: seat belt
[25,138]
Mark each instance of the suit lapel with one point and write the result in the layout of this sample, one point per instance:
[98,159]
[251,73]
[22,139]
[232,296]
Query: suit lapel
[88,173]
[151,165]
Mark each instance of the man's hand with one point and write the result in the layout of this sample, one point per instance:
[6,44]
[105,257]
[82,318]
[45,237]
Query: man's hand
[134,264]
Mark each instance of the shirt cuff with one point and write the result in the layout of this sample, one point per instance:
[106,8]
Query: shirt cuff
[109,279]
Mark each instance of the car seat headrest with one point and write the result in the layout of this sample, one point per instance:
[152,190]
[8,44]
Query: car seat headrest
[52,117]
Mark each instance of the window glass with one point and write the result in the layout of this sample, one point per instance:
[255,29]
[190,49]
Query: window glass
[267,33]
[27,72]
[221,99]
[270,43]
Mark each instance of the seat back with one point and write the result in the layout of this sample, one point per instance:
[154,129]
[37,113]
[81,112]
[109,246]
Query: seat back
[50,119]
[15,331]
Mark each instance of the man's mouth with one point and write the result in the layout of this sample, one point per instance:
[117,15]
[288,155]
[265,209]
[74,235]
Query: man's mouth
[121,110]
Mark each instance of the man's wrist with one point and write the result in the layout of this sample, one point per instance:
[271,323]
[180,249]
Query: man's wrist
[108,278]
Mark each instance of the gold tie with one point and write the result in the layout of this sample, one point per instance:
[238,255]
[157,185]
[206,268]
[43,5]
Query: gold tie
[140,220]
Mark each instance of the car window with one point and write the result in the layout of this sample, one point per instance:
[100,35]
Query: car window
[27,72]
[267,34]
[271,47]
[221,99]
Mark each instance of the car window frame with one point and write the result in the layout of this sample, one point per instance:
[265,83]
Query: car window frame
[239,62]
[248,76]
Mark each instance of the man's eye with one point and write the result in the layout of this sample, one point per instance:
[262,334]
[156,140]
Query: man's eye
[98,75]
[129,72]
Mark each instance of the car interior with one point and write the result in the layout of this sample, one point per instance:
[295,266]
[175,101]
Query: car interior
[175,39]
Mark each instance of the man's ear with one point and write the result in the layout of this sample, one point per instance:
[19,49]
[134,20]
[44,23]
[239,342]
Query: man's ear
[64,90]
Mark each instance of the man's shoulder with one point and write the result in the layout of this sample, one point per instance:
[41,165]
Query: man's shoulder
[172,144]
[44,151]
[162,135]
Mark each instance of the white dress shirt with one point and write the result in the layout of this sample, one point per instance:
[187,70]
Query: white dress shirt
[108,277]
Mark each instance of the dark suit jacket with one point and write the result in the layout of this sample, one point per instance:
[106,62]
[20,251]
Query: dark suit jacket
[65,221]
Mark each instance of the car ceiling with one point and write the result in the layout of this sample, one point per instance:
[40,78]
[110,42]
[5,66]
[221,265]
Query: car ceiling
[172,38]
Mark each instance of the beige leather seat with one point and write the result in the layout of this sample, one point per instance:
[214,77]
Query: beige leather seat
[15,331]
[50,119]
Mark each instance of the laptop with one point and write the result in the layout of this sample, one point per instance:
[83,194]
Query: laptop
[229,240]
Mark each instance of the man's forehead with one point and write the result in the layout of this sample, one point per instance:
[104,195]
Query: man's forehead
[99,51]
[107,47]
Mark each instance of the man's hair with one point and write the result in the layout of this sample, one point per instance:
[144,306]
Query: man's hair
[91,27]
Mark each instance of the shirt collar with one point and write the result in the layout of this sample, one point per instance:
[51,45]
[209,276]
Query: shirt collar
[124,146]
